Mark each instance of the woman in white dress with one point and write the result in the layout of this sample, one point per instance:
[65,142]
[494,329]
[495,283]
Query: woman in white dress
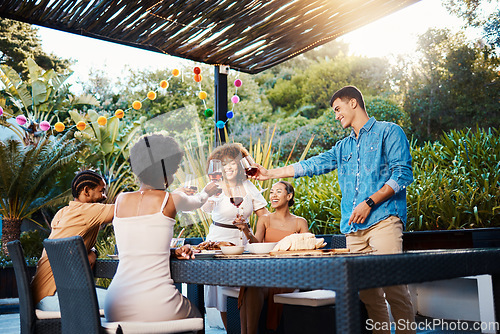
[142,288]
[224,213]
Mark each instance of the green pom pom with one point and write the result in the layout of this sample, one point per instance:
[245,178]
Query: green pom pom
[209,112]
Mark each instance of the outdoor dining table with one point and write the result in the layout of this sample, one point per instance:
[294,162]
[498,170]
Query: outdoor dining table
[346,274]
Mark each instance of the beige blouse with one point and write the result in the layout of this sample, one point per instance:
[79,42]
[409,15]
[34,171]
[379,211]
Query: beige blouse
[83,219]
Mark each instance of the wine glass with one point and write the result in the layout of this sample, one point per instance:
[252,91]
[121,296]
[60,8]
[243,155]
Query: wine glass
[215,172]
[190,184]
[236,198]
[248,165]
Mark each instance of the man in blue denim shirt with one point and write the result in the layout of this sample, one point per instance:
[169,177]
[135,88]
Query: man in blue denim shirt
[374,169]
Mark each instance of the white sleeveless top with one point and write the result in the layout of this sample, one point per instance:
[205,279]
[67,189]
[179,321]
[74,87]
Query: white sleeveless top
[142,288]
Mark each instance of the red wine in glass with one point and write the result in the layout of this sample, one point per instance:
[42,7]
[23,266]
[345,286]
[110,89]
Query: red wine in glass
[248,164]
[215,176]
[251,171]
[236,201]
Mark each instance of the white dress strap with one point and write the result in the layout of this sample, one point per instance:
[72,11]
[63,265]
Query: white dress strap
[164,201]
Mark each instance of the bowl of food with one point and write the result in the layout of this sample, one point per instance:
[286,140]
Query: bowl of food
[261,247]
[232,250]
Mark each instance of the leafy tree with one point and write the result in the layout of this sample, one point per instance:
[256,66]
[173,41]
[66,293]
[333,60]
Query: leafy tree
[308,92]
[29,178]
[43,97]
[479,13]
[454,85]
[18,42]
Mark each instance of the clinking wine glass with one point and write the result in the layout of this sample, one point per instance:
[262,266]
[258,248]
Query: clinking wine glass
[215,172]
[248,165]
[237,195]
[190,184]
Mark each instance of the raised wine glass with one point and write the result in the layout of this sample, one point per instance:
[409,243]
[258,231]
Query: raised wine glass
[190,184]
[248,165]
[215,172]
[237,194]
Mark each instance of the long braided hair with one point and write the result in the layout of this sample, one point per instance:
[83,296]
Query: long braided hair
[84,178]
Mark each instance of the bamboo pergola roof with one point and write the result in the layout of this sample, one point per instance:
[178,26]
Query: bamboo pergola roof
[247,35]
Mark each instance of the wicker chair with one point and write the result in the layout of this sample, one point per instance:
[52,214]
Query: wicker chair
[32,321]
[78,300]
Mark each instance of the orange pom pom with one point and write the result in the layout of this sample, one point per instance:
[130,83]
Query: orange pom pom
[202,95]
[151,95]
[81,125]
[175,72]
[59,127]
[137,105]
[197,77]
[119,113]
[102,120]
[164,84]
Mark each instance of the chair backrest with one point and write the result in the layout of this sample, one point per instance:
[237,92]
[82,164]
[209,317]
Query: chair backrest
[75,285]
[26,305]
[338,241]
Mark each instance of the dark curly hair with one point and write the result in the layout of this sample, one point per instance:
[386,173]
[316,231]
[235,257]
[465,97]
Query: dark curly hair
[154,159]
[233,151]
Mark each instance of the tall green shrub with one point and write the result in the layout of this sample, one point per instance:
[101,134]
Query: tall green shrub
[457,182]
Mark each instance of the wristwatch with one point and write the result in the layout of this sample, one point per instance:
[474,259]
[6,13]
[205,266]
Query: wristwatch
[370,202]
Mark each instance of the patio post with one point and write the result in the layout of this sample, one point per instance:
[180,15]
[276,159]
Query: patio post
[220,81]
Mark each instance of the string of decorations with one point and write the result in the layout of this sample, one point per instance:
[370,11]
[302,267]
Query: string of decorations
[45,126]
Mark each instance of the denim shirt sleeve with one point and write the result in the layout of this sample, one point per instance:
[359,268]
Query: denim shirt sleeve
[397,149]
[317,165]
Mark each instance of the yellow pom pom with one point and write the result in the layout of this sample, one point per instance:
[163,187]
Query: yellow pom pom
[59,127]
[81,125]
[151,95]
[102,120]
[202,95]
[164,84]
[119,113]
[175,72]
[137,105]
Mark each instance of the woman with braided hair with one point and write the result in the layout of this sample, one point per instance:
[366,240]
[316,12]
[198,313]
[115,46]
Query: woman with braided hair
[83,216]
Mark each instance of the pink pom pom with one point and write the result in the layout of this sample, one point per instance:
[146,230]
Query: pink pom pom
[235,99]
[238,83]
[21,120]
[44,125]
[1,111]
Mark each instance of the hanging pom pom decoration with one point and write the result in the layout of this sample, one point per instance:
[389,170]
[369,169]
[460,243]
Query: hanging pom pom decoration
[197,77]
[119,113]
[202,95]
[220,124]
[21,120]
[238,83]
[44,125]
[209,112]
[102,120]
[137,105]
[151,95]
[230,114]
[81,125]
[235,99]
[59,127]
[197,70]
[1,111]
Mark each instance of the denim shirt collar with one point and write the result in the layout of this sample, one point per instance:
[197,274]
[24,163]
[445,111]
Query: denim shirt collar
[367,127]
